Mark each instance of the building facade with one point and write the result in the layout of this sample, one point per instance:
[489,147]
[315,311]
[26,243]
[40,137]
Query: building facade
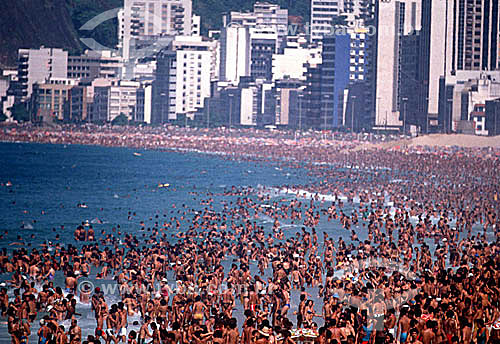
[37,66]
[265,16]
[262,47]
[235,57]
[183,78]
[292,63]
[122,100]
[323,13]
[145,19]
[94,64]
[52,99]
[462,93]
[395,19]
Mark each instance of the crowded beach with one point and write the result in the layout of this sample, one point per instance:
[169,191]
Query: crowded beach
[418,260]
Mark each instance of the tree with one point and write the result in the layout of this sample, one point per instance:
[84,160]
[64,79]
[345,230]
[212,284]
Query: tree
[122,119]
[19,113]
[3,118]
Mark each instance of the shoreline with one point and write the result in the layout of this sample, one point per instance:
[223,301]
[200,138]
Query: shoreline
[310,147]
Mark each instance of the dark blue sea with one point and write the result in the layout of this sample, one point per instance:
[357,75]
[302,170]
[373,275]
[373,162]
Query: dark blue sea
[53,179]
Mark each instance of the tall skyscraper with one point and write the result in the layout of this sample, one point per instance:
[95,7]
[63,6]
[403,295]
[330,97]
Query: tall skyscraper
[328,83]
[475,35]
[457,35]
[248,41]
[357,105]
[347,22]
[234,53]
[319,92]
[395,19]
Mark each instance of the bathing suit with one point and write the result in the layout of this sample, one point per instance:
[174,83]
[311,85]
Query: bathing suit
[368,331]
[481,338]
[379,321]
[403,337]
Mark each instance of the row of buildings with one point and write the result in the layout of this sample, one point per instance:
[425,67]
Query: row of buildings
[401,65]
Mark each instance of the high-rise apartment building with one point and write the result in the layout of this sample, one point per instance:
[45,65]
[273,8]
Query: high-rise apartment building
[475,35]
[145,20]
[37,66]
[262,46]
[265,16]
[457,35]
[323,13]
[234,53]
[348,21]
[183,76]
[395,19]
[249,39]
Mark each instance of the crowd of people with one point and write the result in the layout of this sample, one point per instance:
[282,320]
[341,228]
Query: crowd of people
[214,140]
[417,261]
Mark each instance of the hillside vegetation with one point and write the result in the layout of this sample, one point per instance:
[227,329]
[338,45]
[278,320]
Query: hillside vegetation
[55,23]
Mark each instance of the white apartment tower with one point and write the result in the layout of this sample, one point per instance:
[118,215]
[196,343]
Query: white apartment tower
[395,19]
[183,76]
[39,65]
[235,54]
[145,20]
[195,62]
[246,35]
[322,14]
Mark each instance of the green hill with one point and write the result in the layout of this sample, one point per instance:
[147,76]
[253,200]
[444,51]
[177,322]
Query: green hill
[32,23]
[55,23]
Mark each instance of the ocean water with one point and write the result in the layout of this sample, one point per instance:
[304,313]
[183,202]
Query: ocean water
[48,181]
